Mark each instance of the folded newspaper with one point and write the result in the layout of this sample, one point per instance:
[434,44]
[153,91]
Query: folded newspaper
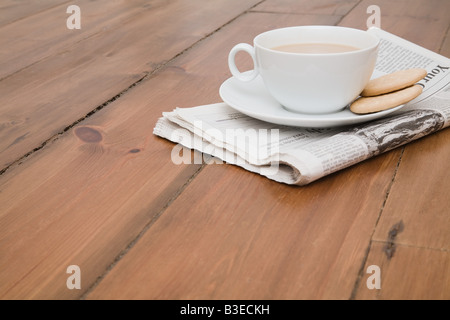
[300,155]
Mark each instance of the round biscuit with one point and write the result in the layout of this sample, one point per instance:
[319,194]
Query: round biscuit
[393,82]
[386,101]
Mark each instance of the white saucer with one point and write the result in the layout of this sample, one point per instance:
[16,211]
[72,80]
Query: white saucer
[252,99]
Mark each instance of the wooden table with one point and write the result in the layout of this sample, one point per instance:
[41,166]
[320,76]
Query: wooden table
[85,182]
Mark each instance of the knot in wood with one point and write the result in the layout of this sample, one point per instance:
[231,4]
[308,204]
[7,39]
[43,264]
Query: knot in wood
[89,135]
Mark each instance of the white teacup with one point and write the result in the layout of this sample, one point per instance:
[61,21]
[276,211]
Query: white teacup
[313,83]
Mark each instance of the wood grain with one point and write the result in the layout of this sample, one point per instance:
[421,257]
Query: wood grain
[85,196]
[407,275]
[106,194]
[44,99]
[273,242]
[103,193]
[15,10]
[328,7]
[45,34]
[422,22]
[419,196]
[418,199]
[245,237]
[445,47]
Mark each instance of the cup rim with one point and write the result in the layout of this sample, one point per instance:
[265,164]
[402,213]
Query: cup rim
[317,27]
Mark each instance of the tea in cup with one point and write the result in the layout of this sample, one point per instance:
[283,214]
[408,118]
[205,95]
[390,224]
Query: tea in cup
[311,69]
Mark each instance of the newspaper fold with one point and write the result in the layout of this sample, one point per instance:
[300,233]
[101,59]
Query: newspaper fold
[294,155]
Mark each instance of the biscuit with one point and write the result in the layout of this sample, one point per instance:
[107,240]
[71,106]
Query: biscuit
[386,101]
[393,82]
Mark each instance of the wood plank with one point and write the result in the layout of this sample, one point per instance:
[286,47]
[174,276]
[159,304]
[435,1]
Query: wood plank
[232,234]
[45,34]
[88,194]
[412,274]
[275,242]
[445,48]
[420,21]
[418,200]
[420,196]
[82,199]
[42,100]
[245,237]
[409,18]
[329,7]
[14,10]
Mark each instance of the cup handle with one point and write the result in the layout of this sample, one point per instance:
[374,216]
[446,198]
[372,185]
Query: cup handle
[247,76]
